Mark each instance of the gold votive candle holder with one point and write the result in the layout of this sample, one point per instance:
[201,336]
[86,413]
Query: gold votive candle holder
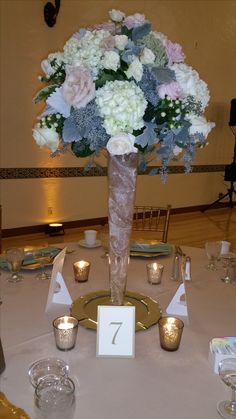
[81,270]
[170,331]
[154,272]
[65,332]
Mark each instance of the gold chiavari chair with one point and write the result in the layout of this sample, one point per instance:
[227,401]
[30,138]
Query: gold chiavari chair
[149,218]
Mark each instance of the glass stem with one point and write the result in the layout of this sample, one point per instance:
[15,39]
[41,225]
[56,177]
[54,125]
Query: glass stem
[233,402]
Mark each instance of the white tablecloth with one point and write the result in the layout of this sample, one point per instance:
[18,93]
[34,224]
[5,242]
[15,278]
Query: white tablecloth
[156,383]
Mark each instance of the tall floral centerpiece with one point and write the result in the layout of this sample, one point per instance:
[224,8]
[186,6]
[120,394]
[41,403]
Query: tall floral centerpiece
[123,88]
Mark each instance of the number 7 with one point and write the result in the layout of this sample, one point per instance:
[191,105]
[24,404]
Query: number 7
[119,324]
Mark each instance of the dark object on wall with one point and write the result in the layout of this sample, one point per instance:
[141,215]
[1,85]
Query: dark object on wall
[230,169]
[230,172]
[51,12]
[232,119]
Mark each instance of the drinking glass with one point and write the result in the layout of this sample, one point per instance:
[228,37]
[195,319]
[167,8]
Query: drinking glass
[213,252]
[43,259]
[227,372]
[55,399]
[15,257]
[229,261]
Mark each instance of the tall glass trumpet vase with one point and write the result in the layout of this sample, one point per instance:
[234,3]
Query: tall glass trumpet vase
[122,176]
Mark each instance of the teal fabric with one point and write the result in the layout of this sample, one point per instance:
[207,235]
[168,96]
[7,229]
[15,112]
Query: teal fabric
[29,259]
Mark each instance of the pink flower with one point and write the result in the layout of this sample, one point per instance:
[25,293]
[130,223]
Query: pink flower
[134,21]
[106,26]
[172,89]
[78,88]
[174,53]
[108,43]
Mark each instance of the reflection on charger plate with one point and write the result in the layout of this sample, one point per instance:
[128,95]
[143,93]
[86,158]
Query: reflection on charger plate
[147,310]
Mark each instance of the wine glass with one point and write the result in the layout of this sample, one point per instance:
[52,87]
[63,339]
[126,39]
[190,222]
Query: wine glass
[15,257]
[227,372]
[213,249]
[229,261]
[43,260]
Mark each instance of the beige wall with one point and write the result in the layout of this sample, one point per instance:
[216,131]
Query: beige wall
[207,31]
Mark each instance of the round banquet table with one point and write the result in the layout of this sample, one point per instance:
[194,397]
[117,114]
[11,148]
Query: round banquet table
[155,383]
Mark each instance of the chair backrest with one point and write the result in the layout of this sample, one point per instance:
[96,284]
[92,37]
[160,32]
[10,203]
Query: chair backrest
[148,218]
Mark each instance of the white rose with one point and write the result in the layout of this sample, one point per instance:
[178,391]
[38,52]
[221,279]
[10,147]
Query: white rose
[200,125]
[121,144]
[121,41]
[116,15]
[135,70]
[46,137]
[111,60]
[147,56]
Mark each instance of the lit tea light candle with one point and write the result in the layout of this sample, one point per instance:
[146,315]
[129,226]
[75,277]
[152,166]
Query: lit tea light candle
[154,272]
[170,330]
[65,332]
[81,270]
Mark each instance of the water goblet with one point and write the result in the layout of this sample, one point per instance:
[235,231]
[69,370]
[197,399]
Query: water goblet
[43,260]
[228,261]
[15,257]
[55,398]
[213,252]
[227,372]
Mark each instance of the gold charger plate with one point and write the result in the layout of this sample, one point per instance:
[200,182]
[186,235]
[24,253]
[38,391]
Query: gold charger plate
[9,411]
[147,310]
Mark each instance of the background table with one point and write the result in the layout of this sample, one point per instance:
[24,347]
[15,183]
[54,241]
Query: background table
[156,383]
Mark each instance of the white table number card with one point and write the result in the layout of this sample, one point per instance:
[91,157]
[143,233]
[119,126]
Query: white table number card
[116,331]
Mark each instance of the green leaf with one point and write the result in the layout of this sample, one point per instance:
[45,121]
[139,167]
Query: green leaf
[81,148]
[45,92]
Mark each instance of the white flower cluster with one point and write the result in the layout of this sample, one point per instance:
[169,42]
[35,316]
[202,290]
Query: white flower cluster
[86,51]
[191,84]
[122,105]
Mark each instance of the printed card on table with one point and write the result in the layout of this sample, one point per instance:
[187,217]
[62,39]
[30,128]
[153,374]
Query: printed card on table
[62,296]
[116,331]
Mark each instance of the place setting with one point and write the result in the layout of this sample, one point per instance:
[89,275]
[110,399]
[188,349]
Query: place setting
[220,257]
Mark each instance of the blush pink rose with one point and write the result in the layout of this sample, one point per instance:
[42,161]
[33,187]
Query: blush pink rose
[174,53]
[134,21]
[108,43]
[78,88]
[172,89]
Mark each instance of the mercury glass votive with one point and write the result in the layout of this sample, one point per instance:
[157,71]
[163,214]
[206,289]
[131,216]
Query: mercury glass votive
[170,330]
[81,270]
[154,272]
[65,332]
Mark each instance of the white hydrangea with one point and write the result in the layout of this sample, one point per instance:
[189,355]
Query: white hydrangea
[86,51]
[122,105]
[191,84]
[116,15]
